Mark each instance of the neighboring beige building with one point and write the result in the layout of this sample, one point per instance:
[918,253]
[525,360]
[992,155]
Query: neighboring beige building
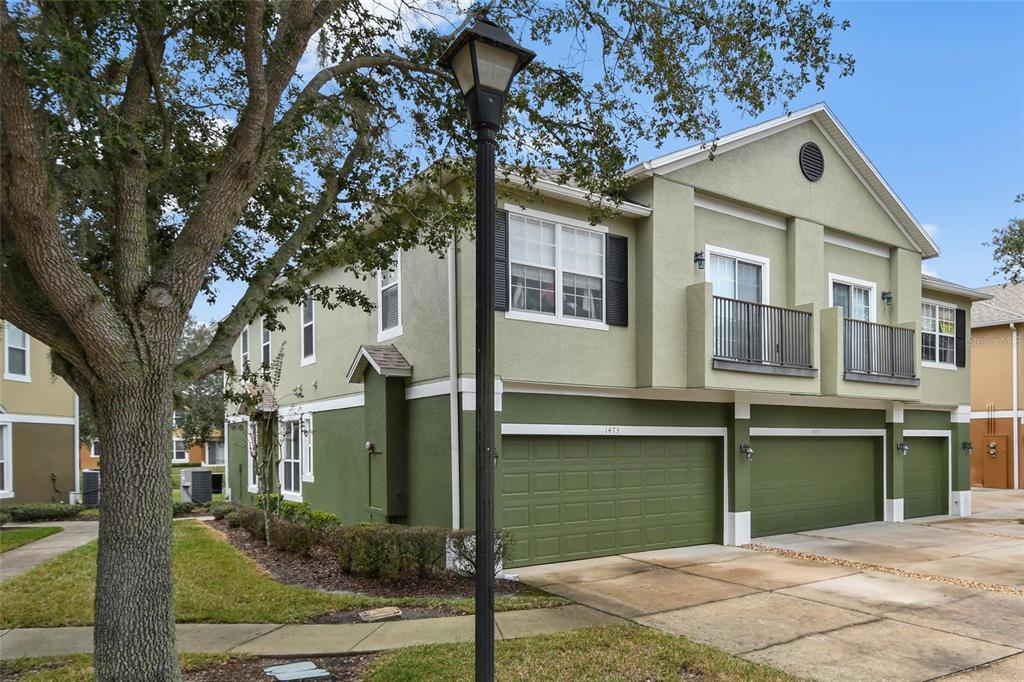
[997,391]
[38,424]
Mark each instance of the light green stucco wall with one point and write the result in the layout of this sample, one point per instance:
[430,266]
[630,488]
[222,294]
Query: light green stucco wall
[947,386]
[766,173]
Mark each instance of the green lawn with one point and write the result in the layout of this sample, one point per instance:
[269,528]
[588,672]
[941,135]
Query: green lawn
[79,668]
[621,652]
[16,537]
[213,583]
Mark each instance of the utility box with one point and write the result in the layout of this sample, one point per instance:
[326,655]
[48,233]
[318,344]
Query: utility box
[91,487]
[196,486]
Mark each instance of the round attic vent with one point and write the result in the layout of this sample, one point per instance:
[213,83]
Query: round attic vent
[812,163]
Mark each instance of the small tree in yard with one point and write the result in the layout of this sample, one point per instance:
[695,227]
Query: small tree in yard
[153,148]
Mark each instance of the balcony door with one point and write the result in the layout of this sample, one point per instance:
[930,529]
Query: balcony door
[742,326]
[856,304]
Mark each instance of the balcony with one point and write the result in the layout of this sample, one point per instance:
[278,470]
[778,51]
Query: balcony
[879,353]
[760,338]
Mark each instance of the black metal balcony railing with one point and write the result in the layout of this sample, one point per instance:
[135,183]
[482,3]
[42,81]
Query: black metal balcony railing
[878,349]
[762,334]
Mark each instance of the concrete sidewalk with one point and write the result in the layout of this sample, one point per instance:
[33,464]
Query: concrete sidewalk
[75,534]
[315,640]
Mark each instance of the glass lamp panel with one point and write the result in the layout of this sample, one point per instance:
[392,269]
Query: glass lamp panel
[462,65]
[494,65]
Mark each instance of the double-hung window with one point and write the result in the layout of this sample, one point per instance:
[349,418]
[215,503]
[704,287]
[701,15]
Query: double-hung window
[854,299]
[180,452]
[16,354]
[6,461]
[243,344]
[264,342]
[389,300]
[557,271]
[938,334]
[291,458]
[736,277]
[308,338]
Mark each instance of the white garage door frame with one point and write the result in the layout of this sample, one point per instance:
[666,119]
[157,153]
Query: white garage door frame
[736,530]
[960,500]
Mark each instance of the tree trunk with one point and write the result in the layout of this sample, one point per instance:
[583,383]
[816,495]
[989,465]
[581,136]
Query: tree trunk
[134,637]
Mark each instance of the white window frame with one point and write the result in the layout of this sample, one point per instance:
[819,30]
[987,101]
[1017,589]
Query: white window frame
[267,344]
[174,450]
[872,288]
[92,448]
[284,437]
[391,332]
[303,358]
[753,259]
[252,483]
[206,453]
[6,442]
[936,364]
[557,318]
[306,456]
[27,376]
[243,348]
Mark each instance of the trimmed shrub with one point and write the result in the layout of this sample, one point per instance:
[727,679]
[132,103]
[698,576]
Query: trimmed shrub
[4,518]
[290,536]
[232,519]
[462,544]
[296,512]
[42,511]
[251,519]
[320,524]
[181,508]
[387,551]
[219,510]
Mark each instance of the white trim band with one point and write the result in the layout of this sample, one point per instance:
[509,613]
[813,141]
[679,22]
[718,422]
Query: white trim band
[609,430]
[35,419]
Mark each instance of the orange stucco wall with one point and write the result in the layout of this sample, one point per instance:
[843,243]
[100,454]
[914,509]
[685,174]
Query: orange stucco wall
[992,404]
[196,455]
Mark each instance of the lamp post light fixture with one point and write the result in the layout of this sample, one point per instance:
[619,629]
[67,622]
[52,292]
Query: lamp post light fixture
[485,59]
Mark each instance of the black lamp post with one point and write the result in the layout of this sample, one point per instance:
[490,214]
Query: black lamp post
[484,59]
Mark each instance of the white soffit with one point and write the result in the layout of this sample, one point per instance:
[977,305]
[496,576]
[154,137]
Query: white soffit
[837,135]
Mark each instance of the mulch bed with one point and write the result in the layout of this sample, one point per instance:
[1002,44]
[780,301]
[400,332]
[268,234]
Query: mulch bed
[247,669]
[320,570]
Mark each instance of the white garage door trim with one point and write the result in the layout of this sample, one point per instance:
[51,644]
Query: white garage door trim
[736,530]
[960,500]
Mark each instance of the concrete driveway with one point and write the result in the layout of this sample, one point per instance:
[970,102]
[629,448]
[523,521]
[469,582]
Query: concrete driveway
[912,601]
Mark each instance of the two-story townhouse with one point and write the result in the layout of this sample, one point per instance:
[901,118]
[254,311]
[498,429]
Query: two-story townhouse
[997,388]
[38,424]
[747,348]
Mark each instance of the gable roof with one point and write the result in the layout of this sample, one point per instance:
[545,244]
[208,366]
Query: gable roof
[385,359]
[1006,305]
[944,285]
[829,125]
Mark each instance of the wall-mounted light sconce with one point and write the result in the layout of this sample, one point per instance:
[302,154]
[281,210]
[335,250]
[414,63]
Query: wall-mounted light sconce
[745,449]
[967,447]
[903,448]
[887,297]
[371,448]
[698,258]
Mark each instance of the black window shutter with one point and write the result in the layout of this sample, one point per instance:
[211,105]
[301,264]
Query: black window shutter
[617,275]
[501,260]
[961,338]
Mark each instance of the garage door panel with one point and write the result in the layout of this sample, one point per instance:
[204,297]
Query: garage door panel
[807,483]
[640,493]
[926,478]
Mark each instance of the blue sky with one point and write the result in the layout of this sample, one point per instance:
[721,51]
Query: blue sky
[937,104]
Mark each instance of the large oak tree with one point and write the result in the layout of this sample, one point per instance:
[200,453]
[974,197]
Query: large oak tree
[153,148]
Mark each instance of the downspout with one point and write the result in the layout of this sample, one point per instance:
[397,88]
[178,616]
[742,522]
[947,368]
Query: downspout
[453,385]
[77,494]
[1016,414]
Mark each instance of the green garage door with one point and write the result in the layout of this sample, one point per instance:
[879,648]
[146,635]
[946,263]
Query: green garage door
[926,478]
[571,497]
[806,483]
